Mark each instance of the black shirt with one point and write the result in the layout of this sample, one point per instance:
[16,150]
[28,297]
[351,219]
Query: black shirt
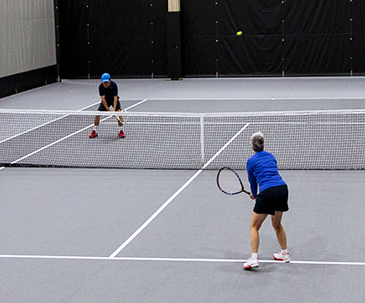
[109,92]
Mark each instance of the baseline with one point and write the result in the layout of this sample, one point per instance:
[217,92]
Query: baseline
[198,260]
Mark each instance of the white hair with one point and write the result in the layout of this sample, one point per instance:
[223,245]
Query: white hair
[257,141]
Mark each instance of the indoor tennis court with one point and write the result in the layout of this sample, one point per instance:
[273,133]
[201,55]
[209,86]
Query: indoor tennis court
[132,213]
[169,235]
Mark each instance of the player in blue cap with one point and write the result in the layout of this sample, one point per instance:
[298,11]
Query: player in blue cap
[108,91]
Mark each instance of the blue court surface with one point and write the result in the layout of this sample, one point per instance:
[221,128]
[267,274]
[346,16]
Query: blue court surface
[156,235]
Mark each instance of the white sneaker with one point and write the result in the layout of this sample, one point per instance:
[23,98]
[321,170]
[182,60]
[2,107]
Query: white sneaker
[251,263]
[282,257]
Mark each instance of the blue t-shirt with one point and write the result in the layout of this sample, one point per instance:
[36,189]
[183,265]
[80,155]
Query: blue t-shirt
[109,92]
[262,170]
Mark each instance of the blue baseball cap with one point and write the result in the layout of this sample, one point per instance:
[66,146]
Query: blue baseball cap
[105,77]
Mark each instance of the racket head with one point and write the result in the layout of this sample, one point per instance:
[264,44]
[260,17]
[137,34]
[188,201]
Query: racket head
[229,182]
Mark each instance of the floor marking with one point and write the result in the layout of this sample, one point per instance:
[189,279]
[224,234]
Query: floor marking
[41,125]
[138,103]
[163,206]
[187,260]
[273,98]
[68,136]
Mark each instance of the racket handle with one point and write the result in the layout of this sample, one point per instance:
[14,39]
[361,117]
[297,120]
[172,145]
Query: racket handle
[119,119]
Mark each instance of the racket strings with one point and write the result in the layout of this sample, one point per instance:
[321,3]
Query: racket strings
[229,182]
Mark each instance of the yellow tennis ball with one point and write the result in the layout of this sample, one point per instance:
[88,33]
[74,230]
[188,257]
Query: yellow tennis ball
[239,33]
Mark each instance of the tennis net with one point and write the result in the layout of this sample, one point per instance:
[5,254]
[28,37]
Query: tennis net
[299,140]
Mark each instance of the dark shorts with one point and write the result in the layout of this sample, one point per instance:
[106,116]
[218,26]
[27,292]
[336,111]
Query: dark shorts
[271,200]
[103,109]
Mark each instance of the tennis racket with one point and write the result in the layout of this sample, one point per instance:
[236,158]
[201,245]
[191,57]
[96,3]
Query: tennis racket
[123,118]
[229,182]
[120,119]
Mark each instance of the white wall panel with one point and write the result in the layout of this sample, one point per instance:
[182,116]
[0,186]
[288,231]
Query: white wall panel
[27,35]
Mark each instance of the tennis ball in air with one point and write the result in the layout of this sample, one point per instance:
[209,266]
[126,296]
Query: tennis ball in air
[239,33]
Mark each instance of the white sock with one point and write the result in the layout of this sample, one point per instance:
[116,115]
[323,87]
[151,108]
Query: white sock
[284,251]
[254,256]
[95,127]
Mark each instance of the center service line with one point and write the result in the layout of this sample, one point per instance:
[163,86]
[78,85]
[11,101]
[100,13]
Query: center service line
[144,225]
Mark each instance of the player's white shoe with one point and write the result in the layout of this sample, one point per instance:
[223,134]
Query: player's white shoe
[251,263]
[282,257]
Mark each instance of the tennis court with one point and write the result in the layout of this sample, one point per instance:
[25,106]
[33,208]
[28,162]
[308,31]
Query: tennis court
[169,235]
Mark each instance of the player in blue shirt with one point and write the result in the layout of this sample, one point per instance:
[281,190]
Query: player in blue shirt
[108,91]
[272,200]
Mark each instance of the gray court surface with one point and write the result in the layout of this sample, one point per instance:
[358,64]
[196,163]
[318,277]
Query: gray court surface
[122,235]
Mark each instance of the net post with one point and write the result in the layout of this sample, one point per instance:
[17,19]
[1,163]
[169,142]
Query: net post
[202,139]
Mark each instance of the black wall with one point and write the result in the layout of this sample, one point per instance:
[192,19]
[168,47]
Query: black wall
[27,80]
[124,38]
[292,38]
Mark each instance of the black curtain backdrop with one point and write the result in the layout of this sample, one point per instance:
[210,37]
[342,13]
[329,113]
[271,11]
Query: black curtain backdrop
[358,36]
[73,20]
[124,38]
[290,37]
[317,37]
[280,38]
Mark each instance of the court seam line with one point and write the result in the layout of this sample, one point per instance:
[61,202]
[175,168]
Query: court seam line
[167,259]
[164,205]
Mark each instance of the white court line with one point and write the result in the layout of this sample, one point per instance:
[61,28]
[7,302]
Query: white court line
[150,219]
[55,142]
[198,260]
[41,125]
[273,98]
[64,116]
[138,103]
